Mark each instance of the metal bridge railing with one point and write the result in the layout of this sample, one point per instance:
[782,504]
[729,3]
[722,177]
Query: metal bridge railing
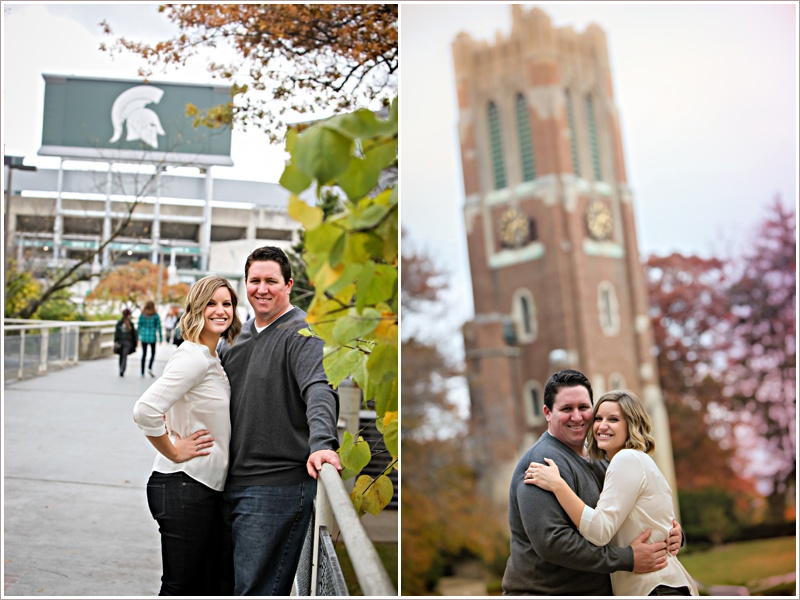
[319,573]
[33,347]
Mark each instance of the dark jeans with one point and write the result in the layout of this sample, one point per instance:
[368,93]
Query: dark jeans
[194,555]
[124,351]
[268,526]
[152,354]
[665,590]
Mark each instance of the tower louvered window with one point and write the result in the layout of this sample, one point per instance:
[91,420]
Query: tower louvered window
[525,140]
[573,138]
[496,142]
[593,138]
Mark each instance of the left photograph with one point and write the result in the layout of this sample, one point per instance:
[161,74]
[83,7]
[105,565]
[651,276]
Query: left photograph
[200,337]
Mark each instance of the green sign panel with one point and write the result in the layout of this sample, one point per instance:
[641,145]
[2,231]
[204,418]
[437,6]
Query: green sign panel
[120,120]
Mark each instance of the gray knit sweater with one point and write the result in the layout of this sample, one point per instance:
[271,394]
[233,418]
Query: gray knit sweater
[549,556]
[282,408]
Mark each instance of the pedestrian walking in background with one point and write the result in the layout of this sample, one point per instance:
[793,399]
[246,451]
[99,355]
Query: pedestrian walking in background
[170,321]
[124,340]
[149,333]
[186,416]
[177,336]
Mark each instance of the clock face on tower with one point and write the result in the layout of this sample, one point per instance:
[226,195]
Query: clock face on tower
[598,220]
[515,228]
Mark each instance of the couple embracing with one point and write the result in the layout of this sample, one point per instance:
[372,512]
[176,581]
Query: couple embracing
[243,419]
[587,501]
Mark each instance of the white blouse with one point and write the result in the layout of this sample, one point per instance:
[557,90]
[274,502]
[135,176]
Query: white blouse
[635,497]
[194,393]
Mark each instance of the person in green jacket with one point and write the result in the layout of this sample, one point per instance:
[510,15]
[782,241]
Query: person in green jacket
[149,333]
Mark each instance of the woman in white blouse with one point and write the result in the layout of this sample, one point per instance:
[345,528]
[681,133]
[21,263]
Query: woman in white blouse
[185,415]
[635,496]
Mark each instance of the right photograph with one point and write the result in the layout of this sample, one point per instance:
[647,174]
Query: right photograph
[599,240]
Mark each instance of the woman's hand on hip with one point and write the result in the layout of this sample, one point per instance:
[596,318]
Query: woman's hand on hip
[197,444]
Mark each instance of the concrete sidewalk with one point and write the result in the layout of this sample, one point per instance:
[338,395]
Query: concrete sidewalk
[75,516]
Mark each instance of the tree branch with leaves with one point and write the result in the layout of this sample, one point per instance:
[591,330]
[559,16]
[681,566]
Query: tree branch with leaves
[352,262]
[290,58]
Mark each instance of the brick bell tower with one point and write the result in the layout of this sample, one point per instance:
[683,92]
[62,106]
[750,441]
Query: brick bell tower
[557,280]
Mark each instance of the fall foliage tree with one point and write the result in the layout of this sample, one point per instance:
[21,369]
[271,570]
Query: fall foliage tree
[444,518]
[726,339]
[691,326]
[133,284]
[288,57]
[760,376]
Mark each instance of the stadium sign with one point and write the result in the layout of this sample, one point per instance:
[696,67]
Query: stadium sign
[131,121]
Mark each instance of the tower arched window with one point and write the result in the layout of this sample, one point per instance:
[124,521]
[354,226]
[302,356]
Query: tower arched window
[524,314]
[525,140]
[608,307]
[534,402]
[496,143]
[573,138]
[616,381]
[593,145]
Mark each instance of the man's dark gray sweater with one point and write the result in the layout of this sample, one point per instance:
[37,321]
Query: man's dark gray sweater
[282,408]
[549,556]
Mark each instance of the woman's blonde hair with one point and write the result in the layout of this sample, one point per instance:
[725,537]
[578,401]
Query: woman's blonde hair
[193,320]
[636,417]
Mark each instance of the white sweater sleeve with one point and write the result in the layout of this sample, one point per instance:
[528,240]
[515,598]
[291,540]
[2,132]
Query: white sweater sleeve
[184,370]
[625,479]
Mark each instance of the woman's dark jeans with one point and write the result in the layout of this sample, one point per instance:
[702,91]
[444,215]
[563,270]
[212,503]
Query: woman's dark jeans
[152,355]
[195,556]
[665,590]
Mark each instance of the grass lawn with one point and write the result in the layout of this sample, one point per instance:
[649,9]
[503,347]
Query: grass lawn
[743,563]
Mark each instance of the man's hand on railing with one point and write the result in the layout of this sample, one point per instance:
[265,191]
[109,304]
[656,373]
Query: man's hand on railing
[318,458]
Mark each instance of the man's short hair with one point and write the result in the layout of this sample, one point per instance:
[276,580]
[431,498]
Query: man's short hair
[266,253]
[563,379]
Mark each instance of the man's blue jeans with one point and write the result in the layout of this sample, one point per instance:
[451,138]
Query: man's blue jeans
[268,526]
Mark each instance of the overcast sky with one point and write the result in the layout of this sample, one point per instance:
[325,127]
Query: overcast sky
[707,96]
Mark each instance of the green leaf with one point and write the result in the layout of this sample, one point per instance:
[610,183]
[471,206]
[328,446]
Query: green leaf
[340,363]
[386,396]
[354,455]
[362,174]
[382,286]
[321,239]
[375,494]
[308,216]
[347,277]
[369,217]
[363,124]
[323,153]
[294,180]
[364,285]
[391,432]
[337,251]
[353,325]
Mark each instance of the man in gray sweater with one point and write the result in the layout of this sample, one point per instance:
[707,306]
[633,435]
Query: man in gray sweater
[283,428]
[549,556]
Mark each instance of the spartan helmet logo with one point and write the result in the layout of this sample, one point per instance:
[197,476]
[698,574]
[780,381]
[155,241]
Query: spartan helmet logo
[143,123]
